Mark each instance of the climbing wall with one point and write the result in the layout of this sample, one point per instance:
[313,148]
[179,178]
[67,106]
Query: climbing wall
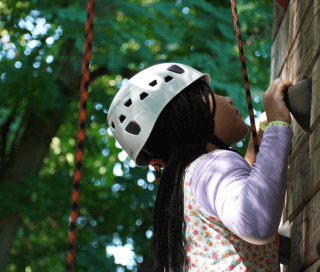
[295,57]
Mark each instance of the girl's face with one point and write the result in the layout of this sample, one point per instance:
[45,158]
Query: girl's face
[229,125]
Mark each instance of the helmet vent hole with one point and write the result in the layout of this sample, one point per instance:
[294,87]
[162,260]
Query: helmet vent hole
[153,83]
[128,103]
[176,69]
[133,128]
[168,78]
[143,95]
[113,125]
[122,118]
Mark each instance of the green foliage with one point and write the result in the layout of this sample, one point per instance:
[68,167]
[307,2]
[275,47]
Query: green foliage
[127,35]
[94,260]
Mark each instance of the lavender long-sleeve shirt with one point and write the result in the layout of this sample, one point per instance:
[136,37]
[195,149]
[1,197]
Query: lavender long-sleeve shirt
[248,200]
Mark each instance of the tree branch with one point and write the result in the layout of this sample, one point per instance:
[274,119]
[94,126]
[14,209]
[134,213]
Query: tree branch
[4,132]
[99,72]
[14,143]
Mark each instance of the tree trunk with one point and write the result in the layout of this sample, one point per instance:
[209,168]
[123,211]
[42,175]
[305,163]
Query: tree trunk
[8,229]
[29,154]
[27,157]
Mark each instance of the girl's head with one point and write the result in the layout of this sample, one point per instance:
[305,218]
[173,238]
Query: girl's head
[229,125]
[186,119]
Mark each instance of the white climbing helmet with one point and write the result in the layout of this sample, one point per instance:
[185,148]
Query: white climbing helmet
[138,104]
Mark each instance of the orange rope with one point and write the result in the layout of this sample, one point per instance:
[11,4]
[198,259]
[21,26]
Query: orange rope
[245,74]
[80,137]
[82,119]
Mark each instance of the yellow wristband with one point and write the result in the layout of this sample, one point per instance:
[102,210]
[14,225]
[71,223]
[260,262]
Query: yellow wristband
[274,123]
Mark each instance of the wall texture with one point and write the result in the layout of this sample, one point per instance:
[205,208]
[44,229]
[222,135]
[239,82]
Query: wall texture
[295,57]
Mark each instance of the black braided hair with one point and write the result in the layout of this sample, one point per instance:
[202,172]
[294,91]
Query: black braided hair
[186,119]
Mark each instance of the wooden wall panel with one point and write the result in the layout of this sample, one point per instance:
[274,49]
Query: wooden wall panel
[314,141]
[304,165]
[277,53]
[295,56]
[294,18]
[278,14]
[298,185]
[313,267]
[296,71]
[306,44]
[297,29]
[305,233]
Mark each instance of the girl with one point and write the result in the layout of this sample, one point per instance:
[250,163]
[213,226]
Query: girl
[215,210]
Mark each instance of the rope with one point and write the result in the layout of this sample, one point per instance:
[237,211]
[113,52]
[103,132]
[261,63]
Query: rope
[80,137]
[245,74]
[82,119]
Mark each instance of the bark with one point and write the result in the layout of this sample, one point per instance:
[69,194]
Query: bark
[8,229]
[31,149]
[34,144]
[27,157]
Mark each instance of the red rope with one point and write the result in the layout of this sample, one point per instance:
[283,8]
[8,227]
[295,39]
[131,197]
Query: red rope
[245,74]
[80,137]
[82,119]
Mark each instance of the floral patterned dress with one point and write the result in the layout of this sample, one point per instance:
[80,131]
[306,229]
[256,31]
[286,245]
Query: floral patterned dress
[212,247]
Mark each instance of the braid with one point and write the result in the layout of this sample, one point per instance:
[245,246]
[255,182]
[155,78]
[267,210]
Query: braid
[184,120]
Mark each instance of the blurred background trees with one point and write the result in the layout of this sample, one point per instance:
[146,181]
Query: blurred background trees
[40,69]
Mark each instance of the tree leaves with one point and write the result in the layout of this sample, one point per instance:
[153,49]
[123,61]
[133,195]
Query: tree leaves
[128,36]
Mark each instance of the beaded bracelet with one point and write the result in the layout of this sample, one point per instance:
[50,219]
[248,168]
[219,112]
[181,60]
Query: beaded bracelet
[275,123]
